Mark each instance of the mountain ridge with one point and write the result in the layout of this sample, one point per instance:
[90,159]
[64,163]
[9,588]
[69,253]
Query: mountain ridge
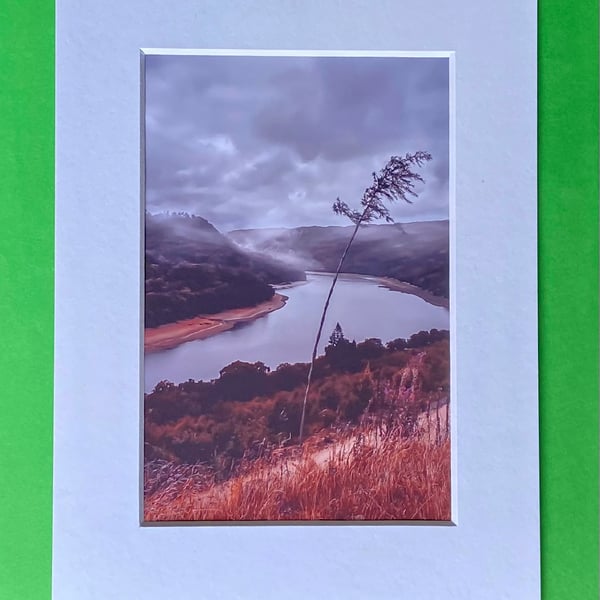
[192,269]
[415,252]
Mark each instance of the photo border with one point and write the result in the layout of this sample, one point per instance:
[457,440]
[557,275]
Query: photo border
[454,396]
[96,338]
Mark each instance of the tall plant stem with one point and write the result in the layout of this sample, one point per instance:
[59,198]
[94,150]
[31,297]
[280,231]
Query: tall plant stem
[323,315]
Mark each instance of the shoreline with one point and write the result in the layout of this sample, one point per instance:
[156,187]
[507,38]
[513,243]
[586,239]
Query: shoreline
[171,335]
[395,285]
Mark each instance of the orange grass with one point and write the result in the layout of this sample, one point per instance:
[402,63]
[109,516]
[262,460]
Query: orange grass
[364,475]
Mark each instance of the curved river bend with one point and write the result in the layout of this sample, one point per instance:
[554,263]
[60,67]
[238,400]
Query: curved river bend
[362,306]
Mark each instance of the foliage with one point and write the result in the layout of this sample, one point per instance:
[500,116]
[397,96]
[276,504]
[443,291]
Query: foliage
[249,408]
[416,253]
[192,269]
[353,478]
[396,181]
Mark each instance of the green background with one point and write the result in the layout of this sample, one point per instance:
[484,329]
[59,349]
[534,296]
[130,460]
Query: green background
[568,297]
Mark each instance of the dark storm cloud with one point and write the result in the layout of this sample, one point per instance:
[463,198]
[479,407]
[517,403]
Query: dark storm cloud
[272,141]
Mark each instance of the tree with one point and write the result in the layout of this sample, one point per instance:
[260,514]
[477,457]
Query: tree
[242,381]
[341,353]
[337,335]
[370,349]
[396,181]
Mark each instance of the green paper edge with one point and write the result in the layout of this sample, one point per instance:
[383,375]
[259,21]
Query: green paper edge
[568,288]
[568,297]
[26,296]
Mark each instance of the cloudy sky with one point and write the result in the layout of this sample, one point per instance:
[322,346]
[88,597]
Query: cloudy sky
[272,141]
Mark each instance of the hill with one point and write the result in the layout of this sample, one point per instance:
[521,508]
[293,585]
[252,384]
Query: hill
[228,449]
[191,269]
[417,253]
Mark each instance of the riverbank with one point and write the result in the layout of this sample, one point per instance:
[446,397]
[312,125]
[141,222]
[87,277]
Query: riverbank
[394,285]
[408,288]
[203,326]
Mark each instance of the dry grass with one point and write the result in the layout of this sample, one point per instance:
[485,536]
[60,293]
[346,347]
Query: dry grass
[364,474]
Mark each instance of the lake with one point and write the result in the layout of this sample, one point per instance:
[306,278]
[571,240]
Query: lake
[361,305]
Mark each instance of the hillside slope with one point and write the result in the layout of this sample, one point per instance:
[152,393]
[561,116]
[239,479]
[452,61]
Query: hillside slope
[417,253]
[192,269]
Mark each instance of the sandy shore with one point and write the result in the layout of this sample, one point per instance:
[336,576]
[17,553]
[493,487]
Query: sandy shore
[408,288]
[203,326]
[395,285]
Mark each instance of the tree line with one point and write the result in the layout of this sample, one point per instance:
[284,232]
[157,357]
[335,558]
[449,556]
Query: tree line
[192,269]
[224,420]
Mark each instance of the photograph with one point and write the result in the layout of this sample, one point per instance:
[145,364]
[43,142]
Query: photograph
[297,277]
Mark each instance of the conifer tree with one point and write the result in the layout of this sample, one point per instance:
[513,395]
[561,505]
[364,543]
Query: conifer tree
[337,335]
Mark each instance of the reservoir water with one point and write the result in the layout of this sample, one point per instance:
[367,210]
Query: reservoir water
[362,306]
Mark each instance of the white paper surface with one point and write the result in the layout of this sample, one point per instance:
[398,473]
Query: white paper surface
[100,550]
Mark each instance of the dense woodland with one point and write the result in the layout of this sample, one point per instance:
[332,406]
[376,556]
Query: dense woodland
[192,269]
[221,422]
[413,252]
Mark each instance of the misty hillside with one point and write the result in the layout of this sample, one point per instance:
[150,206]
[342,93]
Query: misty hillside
[192,269]
[413,252]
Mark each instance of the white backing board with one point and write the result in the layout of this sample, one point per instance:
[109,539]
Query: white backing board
[100,550]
